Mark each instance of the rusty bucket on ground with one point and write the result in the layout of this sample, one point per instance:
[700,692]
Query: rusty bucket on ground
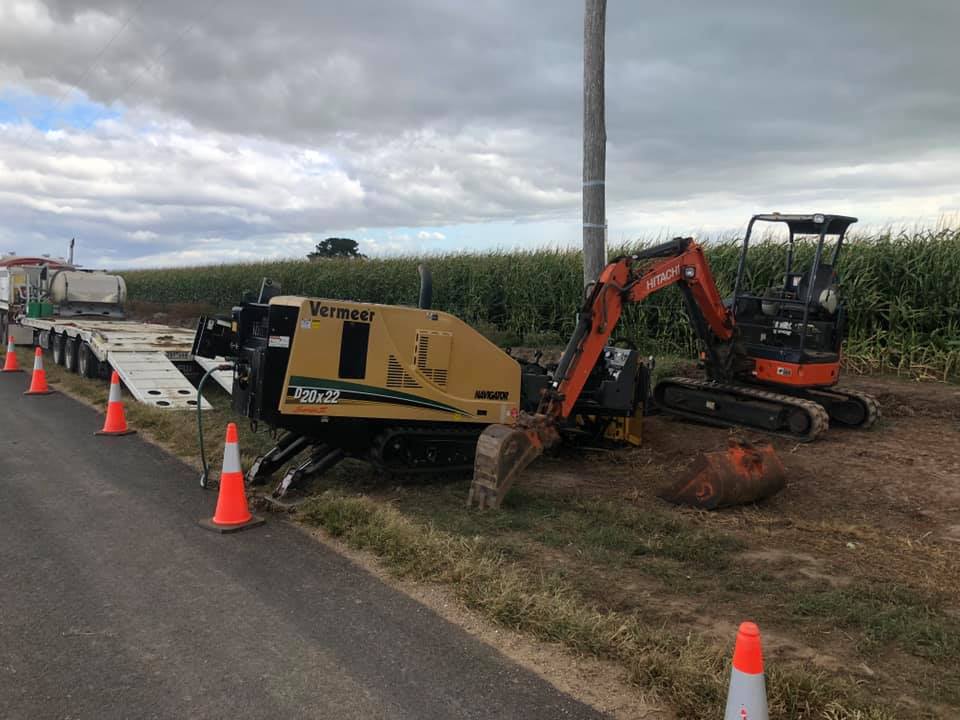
[743,473]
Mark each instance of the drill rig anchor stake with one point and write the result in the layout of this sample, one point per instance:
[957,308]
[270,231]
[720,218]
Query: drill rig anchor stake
[321,459]
[287,448]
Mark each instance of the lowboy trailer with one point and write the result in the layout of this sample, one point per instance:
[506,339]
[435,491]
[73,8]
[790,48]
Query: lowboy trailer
[154,361]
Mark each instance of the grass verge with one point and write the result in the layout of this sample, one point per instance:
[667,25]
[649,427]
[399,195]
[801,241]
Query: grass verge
[684,670]
[885,614]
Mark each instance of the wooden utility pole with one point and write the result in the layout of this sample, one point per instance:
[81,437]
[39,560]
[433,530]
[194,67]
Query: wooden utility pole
[594,142]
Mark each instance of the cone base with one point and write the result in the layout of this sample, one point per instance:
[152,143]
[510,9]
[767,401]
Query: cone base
[115,432]
[14,370]
[39,392]
[209,524]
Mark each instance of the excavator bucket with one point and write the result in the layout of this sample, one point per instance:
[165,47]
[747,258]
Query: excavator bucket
[502,454]
[743,473]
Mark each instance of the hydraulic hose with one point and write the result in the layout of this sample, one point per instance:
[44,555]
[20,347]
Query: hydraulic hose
[205,474]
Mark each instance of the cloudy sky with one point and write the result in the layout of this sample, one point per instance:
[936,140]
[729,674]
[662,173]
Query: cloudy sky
[186,131]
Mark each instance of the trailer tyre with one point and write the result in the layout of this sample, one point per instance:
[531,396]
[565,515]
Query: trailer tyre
[87,362]
[59,341]
[71,353]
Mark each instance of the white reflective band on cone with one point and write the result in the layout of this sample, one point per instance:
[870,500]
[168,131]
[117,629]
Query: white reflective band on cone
[38,362]
[747,698]
[231,458]
[114,393]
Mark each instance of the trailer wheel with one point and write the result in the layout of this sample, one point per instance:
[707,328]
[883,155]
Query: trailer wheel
[59,342]
[71,352]
[87,363]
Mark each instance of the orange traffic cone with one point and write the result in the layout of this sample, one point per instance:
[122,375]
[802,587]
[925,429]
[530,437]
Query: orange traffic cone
[10,363]
[232,513]
[747,697]
[38,380]
[116,421]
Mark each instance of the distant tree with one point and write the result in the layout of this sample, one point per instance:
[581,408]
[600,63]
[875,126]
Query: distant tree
[335,247]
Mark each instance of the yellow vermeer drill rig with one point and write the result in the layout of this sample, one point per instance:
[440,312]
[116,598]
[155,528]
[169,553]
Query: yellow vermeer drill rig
[407,389]
[416,390]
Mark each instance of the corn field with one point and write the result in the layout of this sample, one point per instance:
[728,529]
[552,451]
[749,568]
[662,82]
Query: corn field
[902,292]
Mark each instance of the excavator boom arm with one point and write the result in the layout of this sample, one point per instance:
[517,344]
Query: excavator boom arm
[502,451]
[618,284]
[692,271]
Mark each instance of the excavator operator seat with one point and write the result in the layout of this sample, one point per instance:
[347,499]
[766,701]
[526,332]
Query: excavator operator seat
[824,299]
[823,302]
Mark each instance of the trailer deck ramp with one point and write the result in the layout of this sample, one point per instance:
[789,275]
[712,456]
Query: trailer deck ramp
[145,355]
[153,380]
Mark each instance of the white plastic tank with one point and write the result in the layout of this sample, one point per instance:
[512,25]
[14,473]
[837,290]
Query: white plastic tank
[75,286]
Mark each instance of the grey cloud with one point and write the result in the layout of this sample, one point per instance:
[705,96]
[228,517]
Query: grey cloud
[447,112]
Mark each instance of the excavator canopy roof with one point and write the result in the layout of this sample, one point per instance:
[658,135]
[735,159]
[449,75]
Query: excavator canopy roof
[805,224]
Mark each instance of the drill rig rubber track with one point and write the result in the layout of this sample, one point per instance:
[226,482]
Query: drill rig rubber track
[405,450]
[731,405]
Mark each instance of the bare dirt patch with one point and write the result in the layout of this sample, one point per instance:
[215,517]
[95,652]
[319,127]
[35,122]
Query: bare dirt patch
[183,315]
[909,398]
[903,475]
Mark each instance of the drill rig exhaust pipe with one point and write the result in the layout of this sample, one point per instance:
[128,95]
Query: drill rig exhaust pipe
[741,474]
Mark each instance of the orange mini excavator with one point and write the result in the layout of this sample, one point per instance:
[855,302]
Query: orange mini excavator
[771,360]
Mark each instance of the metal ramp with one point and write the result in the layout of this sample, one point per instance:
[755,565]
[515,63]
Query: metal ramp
[153,380]
[224,378]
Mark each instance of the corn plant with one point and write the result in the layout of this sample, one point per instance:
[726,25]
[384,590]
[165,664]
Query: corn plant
[902,291]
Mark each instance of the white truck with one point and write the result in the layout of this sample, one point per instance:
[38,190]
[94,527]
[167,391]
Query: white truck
[77,316]
[18,274]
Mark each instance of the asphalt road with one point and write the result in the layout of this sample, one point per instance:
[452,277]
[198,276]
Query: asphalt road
[114,603]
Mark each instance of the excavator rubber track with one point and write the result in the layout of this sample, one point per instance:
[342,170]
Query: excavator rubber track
[734,405]
[871,405]
[846,408]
